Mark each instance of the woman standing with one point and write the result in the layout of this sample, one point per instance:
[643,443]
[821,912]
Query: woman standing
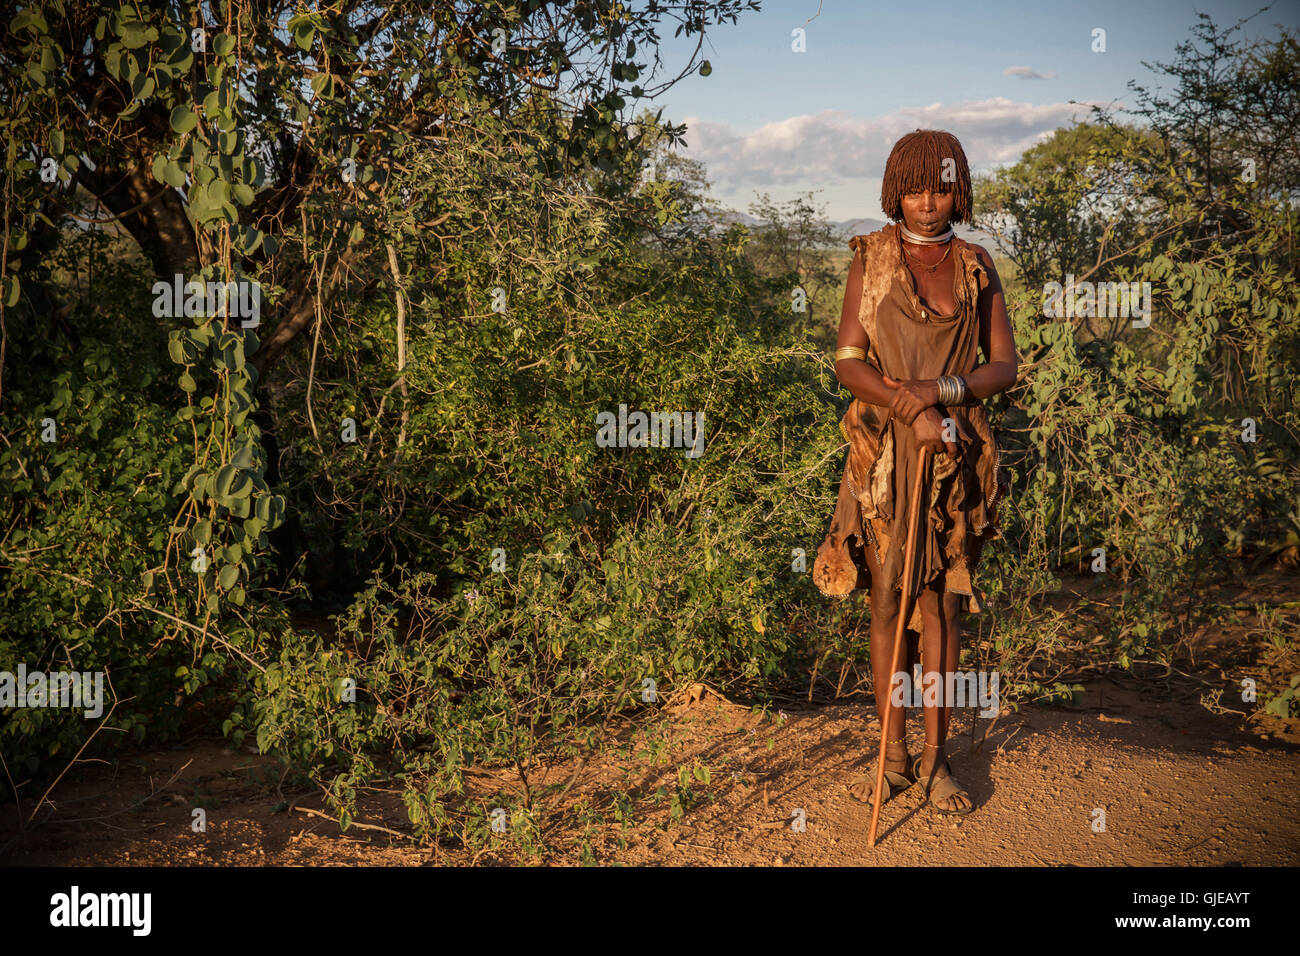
[920,306]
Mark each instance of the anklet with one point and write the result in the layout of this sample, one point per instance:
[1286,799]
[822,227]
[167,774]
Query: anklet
[898,741]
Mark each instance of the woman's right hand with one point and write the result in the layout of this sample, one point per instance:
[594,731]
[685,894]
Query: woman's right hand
[928,428]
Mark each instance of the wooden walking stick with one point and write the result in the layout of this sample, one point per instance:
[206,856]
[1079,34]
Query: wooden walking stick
[904,610]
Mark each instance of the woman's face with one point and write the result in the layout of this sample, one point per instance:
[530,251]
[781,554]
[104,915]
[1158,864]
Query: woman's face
[927,213]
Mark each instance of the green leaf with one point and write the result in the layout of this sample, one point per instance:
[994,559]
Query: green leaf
[56,142]
[135,35]
[223,45]
[142,86]
[176,348]
[224,479]
[173,175]
[183,119]
[28,19]
[228,576]
[250,239]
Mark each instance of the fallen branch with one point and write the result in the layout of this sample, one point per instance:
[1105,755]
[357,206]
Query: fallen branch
[359,826]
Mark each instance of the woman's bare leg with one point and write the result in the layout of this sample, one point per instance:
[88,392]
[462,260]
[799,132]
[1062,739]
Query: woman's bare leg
[884,621]
[940,614]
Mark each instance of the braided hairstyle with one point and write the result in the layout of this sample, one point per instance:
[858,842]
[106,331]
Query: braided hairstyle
[916,163]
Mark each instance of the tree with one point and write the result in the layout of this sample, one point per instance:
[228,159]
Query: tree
[199,134]
[1068,205]
[792,239]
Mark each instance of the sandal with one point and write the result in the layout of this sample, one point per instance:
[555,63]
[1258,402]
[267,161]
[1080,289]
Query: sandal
[895,783]
[941,788]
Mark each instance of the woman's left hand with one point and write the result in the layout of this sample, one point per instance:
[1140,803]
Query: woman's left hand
[912,397]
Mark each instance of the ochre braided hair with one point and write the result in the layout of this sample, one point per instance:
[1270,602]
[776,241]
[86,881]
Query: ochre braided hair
[916,164]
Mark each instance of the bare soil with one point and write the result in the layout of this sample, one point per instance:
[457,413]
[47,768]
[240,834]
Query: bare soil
[1178,784]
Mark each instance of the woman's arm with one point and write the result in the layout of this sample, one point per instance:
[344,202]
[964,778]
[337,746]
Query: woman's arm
[997,374]
[1001,364]
[855,374]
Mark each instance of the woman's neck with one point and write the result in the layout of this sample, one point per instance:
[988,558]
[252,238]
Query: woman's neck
[920,240]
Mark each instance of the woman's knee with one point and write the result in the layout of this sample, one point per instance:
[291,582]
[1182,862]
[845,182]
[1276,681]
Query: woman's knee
[884,604]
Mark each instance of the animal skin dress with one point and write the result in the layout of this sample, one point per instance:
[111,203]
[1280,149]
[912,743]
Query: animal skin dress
[907,340]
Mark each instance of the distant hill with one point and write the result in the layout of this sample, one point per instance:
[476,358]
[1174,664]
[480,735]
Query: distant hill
[857,227]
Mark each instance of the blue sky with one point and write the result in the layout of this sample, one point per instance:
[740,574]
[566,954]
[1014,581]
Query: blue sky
[771,120]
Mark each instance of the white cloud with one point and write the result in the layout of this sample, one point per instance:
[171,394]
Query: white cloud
[1026,73]
[833,147]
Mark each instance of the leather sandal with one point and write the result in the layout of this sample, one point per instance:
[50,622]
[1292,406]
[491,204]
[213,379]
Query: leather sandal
[941,788]
[895,783]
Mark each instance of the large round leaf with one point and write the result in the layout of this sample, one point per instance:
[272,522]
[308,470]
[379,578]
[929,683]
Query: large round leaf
[183,119]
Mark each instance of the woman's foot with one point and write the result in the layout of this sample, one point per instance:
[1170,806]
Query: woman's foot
[898,775]
[936,779]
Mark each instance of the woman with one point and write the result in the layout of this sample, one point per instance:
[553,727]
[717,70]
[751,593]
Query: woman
[918,305]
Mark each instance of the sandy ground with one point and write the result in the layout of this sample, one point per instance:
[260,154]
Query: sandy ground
[1178,785]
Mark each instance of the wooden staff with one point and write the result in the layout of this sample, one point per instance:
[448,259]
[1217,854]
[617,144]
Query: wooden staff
[904,610]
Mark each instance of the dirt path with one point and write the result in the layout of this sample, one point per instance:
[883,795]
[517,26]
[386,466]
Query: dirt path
[1178,786]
